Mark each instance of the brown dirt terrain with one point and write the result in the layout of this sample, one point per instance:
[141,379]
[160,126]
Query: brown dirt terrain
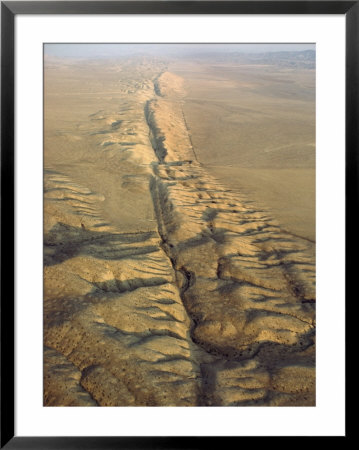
[253,127]
[162,285]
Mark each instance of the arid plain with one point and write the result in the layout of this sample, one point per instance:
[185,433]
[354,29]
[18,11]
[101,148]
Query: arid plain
[179,230]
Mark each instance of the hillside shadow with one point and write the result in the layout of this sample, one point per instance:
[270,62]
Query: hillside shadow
[64,242]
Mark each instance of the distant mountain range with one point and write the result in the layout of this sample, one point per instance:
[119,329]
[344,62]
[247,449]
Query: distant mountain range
[295,59]
[212,53]
[305,58]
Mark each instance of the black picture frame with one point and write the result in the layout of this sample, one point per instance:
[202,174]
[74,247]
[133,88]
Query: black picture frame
[9,9]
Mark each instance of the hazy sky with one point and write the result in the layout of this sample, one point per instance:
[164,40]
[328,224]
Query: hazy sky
[118,50]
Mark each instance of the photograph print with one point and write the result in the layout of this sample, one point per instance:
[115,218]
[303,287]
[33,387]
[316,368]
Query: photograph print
[179,225]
